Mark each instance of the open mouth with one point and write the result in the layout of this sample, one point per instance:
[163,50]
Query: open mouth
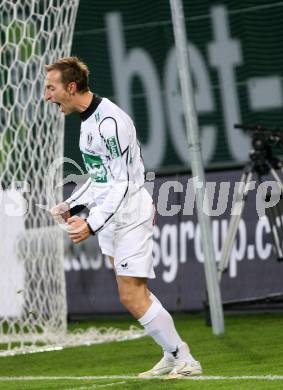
[60,106]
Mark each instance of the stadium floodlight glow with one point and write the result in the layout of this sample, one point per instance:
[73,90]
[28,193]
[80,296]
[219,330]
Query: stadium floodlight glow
[213,289]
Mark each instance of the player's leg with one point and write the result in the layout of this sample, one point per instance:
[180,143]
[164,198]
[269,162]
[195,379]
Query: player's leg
[134,295]
[133,266]
[159,324]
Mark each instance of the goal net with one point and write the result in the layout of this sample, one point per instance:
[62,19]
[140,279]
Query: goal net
[33,308]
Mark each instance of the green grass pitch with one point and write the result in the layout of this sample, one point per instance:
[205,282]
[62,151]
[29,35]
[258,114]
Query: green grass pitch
[251,346]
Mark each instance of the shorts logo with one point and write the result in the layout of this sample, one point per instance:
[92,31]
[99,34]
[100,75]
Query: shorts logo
[124,265]
[113,147]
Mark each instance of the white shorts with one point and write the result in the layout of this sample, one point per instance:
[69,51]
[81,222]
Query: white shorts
[128,237]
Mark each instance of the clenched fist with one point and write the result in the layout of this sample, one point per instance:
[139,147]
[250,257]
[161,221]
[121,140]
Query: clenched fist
[78,229]
[61,212]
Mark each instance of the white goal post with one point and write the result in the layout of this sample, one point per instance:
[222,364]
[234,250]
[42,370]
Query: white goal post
[33,312]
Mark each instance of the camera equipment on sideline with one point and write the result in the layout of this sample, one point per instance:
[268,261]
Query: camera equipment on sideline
[262,141]
[262,162]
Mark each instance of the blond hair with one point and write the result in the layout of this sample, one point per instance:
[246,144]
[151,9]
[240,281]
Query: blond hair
[72,69]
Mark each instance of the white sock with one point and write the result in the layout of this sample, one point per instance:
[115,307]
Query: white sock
[168,355]
[159,324]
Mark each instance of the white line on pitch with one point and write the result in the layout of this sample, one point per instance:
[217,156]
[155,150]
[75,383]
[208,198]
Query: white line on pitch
[78,378]
[98,386]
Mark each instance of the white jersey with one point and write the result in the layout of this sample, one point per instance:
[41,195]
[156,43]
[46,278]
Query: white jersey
[112,157]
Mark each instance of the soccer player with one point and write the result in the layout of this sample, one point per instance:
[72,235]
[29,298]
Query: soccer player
[121,210]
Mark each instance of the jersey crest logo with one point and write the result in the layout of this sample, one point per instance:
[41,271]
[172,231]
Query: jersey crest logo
[89,139]
[113,147]
[97,117]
